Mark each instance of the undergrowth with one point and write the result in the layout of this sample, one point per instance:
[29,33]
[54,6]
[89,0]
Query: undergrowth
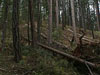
[42,61]
[57,34]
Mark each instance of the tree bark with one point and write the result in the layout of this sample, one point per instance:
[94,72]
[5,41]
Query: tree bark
[4,23]
[98,14]
[73,20]
[70,15]
[50,22]
[63,14]
[39,20]
[57,14]
[15,30]
[28,28]
[33,37]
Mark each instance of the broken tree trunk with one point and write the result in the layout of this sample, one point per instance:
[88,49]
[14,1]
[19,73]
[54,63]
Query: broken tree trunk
[85,37]
[69,56]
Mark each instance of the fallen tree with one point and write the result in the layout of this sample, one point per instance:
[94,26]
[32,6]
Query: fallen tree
[65,54]
[1,69]
[62,45]
[69,56]
[85,37]
[45,37]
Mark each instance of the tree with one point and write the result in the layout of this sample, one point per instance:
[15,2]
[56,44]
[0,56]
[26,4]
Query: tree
[28,28]
[39,20]
[80,13]
[15,30]
[63,14]
[97,13]
[30,7]
[50,22]
[57,14]
[73,20]
[70,15]
[4,23]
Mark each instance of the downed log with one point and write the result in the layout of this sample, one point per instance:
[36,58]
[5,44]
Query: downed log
[70,56]
[62,45]
[85,37]
[78,34]
[58,43]
[91,73]
[44,36]
[1,69]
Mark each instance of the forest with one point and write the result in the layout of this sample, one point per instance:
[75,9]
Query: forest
[49,37]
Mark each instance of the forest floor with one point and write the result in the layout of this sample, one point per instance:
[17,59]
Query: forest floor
[38,61]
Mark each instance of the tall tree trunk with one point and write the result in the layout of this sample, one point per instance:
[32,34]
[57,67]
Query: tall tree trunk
[73,20]
[33,37]
[50,22]
[83,17]
[70,15]
[15,30]
[4,23]
[63,14]
[53,15]
[28,29]
[57,14]
[80,19]
[59,3]
[98,14]
[39,20]
[88,16]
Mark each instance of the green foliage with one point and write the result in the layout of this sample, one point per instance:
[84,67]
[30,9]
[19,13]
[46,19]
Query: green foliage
[22,62]
[26,50]
[47,64]
[97,33]
[57,34]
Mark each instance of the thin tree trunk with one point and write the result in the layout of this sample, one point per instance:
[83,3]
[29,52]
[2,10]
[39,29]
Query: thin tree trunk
[70,15]
[98,14]
[32,22]
[4,23]
[15,28]
[50,23]
[88,15]
[59,3]
[39,20]
[63,14]
[28,29]
[80,19]
[57,14]
[73,20]
[83,17]
[53,15]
